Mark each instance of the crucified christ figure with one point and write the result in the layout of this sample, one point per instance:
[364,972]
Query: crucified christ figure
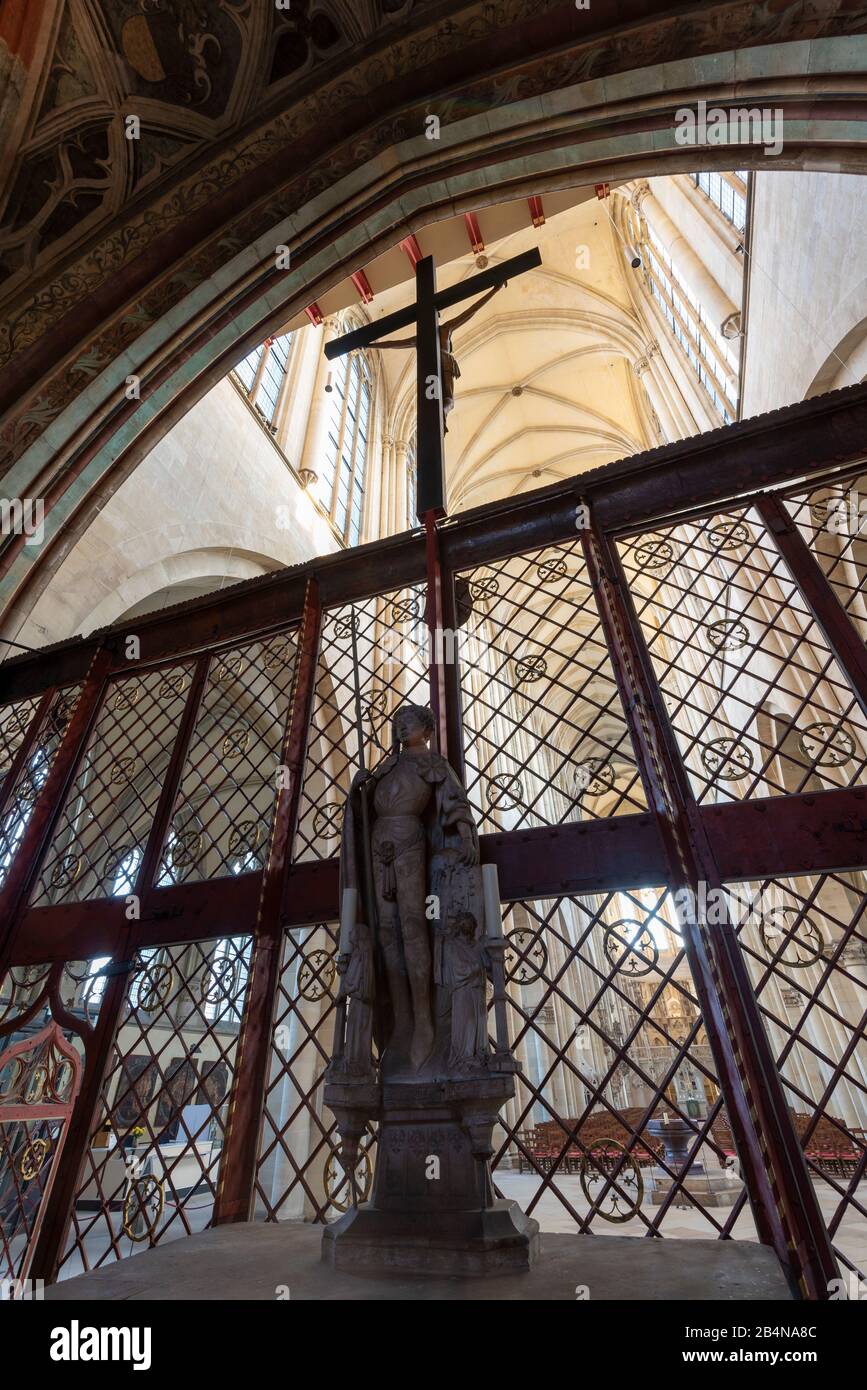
[448,362]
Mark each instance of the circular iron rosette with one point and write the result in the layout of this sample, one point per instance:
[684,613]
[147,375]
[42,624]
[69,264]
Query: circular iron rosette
[727,759]
[185,849]
[230,668]
[526,956]
[66,871]
[504,792]
[219,983]
[338,1188]
[126,696]
[727,635]
[16,725]
[123,770]
[143,1207]
[326,821]
[235,743]
[530,668]
[826,745]
[33,1158]
[277,657]
[245,837]
[624,1196]
[727,534]
[805,944]
[593,777]
[316,974]
[172,685]
[552,569]
[155,986]
[345,625]
[483,590]
[405,610]
[654,555]
[630,947]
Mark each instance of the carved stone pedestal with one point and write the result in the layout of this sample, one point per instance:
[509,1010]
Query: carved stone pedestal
[432,1209]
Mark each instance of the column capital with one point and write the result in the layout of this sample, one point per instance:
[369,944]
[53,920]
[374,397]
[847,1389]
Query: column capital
[640,193]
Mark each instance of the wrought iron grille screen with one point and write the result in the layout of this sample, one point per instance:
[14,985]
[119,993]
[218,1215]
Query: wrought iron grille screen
[661,677]
[759,705]
[545,739]
[372,657]
[152,1165]
[805,941]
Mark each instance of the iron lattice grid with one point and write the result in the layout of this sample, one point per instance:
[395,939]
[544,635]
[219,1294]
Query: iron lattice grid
[602,1009]
[299,1170]
[555,531]
[170,1073]
[371,659]
[29,777]
[228,788]
[833,521]
[102,830]
[758,704]
[805,941]
[545,739]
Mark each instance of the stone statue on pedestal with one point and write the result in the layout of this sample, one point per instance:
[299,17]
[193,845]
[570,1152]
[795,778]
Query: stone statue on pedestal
[420,939]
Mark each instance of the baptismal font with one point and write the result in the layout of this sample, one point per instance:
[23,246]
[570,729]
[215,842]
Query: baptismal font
[420,941]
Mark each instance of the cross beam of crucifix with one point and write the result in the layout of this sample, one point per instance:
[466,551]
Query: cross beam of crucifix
[424,313]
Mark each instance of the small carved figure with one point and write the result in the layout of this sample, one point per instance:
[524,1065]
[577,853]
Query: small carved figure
[463,975]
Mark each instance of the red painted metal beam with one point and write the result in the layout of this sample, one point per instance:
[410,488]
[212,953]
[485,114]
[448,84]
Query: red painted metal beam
[236,1190]
[474,233]
[314,313]
[412,250]
[784,1203]
[362,284]
[537,212]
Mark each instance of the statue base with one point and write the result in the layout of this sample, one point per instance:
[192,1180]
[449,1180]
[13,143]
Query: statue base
[432,1208]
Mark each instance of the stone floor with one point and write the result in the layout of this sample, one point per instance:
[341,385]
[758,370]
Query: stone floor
[273,1262]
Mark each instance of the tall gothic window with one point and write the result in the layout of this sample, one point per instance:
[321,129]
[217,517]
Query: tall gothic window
[342,476]
[261,374]
[728,192]
[702,343]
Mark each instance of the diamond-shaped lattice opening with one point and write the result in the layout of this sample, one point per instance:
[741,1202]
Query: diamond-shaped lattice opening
[31,774]
[300,1174]
[152,1168]
[545,739]
[223,813]
[617,1099]
[98,842]
[758,704]
[833,521]
[805,943]
[372,658]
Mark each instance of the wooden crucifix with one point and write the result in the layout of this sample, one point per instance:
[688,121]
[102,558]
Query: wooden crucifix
[433,383]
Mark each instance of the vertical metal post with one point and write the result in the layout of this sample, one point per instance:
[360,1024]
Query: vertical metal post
[430,471]
[237,1182]
[836,625]
[437,649]
[784,1203]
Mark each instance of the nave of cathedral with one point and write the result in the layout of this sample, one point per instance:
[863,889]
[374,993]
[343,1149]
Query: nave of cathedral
[638,620]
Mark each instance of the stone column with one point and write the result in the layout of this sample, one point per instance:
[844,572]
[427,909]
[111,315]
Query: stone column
[320,406]
[716,303]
